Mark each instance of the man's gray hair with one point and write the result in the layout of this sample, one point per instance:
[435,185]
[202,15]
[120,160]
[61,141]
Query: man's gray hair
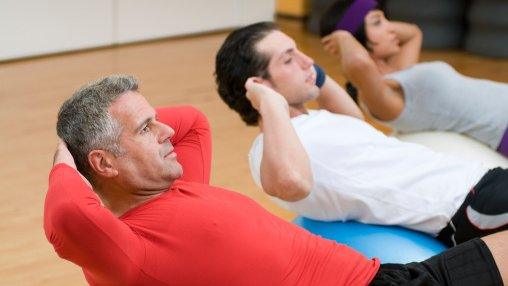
[84,121]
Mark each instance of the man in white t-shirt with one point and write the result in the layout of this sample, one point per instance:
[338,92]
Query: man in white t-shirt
[329,164]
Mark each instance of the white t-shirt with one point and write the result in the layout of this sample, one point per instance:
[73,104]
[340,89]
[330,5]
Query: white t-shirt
[361,174]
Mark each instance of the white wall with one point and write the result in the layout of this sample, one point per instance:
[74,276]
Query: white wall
[32,27]
[39,27]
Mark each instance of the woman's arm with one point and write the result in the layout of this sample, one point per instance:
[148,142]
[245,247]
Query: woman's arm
[410,38]
[383,102]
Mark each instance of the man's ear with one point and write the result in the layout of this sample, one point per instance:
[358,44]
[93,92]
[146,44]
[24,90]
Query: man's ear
[102,162]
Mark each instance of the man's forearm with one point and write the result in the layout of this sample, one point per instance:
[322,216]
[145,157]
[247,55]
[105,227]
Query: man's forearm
[75,222]
[335,99]
[192,140]
[285,166]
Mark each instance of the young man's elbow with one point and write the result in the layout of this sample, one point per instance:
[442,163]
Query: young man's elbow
[291,187]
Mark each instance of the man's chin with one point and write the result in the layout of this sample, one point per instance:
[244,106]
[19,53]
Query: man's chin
[173,172]
[178,172]
[314,93]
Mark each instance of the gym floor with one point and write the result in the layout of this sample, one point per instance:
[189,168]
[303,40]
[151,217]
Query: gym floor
[172,71]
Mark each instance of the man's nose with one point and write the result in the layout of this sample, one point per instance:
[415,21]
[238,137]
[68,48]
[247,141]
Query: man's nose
[305,61]
[165,132]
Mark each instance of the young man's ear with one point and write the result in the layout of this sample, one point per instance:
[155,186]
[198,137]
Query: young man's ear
[102,162]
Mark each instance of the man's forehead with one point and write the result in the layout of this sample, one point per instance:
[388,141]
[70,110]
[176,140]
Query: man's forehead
[130,105]
[125,100]
[275,44]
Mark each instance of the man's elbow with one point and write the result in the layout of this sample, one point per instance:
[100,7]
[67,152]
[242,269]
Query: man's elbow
[291,187]
[201,121]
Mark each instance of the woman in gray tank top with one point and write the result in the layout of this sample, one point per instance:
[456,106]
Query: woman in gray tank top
[380,58]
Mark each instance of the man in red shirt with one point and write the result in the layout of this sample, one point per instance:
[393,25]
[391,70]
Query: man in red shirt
[140,216]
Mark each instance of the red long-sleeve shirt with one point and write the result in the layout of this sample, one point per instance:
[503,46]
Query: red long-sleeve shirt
[192,234]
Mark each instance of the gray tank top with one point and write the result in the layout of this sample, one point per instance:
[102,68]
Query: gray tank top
[437,97]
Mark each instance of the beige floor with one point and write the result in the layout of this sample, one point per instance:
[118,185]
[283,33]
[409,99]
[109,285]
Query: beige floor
[174,71]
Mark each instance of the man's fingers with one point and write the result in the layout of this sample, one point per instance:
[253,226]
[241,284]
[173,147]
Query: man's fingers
[248,83]
[252,81]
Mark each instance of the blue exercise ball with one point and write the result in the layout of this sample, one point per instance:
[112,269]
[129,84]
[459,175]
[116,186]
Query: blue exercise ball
[391,244]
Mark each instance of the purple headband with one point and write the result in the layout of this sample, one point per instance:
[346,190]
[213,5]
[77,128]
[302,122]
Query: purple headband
[354,16]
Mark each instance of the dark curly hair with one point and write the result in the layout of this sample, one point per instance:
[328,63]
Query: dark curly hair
[236,61]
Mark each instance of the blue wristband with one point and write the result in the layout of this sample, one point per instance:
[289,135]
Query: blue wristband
[320,76]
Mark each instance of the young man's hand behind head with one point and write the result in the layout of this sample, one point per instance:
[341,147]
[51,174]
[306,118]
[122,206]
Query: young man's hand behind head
[260,94]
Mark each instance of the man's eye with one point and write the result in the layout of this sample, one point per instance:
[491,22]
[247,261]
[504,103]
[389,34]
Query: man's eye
[288,61]
[145,129]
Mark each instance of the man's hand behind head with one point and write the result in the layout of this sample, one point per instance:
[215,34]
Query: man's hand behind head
[261,95]
[63,155]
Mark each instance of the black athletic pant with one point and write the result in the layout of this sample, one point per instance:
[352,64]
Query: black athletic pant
[484,211]
[467,264]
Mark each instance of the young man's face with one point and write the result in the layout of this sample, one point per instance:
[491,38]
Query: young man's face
[291,72]
[148,161]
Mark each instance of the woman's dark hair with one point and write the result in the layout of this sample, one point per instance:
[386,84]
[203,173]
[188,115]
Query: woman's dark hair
[328,22]
[334,13]
[236,61]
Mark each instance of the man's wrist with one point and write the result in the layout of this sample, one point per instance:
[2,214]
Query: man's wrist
[63,155]
[320,76]
[271,106]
